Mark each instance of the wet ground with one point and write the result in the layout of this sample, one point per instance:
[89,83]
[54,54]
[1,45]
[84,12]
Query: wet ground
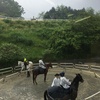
[19,87]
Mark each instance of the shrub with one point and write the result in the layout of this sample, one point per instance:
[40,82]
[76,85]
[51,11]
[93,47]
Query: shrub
[7,21]
[18,38]
[9,54]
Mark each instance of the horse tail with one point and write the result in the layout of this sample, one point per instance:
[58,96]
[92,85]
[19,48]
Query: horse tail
[45,94]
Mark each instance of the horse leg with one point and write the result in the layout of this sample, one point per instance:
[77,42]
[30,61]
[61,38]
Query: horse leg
[34,79]
[45,77]
[45,95]
[28,74]
[22,68]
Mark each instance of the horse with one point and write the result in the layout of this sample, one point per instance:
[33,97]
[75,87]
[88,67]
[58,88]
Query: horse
[37,71]
[21,64]
[29,67]
[72,95]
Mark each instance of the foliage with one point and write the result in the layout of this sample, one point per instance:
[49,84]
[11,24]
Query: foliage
[7,21]
[76,40]
[54,40]
[10,53]
[63,12]
[18,38]
[10,8]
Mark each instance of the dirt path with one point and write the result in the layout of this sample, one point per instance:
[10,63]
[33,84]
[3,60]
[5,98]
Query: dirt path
[22,88]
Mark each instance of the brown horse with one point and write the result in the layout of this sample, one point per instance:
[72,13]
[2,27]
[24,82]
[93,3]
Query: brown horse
[37,70]
[57,92]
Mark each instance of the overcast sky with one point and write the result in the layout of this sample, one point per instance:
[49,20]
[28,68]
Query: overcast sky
[34,7]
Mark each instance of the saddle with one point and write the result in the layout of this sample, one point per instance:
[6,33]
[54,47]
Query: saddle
[57,92]
[40,70]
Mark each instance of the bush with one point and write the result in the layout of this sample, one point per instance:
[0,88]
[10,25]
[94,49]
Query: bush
[10,54]
[7,21]
[18,38]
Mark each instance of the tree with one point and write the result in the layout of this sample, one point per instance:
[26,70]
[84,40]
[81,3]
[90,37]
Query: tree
[10,8]
[41,15]
[9,53]
[63,12]
[76,40]
[90,11]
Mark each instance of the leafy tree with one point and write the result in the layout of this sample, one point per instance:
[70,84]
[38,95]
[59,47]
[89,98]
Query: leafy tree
[90,11]
[41,14]
[10,53]
[63,12]
[10,8]
[75,40]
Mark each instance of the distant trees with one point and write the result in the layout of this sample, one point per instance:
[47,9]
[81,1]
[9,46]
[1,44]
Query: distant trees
[10,8]
[64,12]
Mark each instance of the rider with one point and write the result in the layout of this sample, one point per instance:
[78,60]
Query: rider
[62,89]
[25,63]
[41,64]
[65,83]
[56,80]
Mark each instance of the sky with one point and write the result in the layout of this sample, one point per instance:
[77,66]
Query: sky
[34,7]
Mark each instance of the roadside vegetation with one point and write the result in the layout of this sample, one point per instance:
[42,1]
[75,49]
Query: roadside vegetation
[52,39]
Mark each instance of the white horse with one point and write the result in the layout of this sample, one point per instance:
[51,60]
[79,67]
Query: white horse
[21,64]
[29,66]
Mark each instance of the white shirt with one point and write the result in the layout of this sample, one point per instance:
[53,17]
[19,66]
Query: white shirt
[56,82]
[41,64]
[65,82]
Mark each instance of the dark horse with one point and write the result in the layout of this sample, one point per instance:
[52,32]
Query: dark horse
[37,70]
[56,93]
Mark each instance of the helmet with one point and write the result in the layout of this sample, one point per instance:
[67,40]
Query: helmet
[57,74]
[62,74]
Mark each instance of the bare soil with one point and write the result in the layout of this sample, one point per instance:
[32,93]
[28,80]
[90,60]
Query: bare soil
[19,87]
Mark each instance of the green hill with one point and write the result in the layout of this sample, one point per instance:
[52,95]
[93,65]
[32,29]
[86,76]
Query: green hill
[52,39]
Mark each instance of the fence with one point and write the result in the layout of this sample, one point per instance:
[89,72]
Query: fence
[63,65]
[6,70]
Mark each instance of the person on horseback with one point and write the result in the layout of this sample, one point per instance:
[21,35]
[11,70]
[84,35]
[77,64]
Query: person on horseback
[65,83]
[25,63]
[56,80]
[60,90]
[42,65]
[59,93]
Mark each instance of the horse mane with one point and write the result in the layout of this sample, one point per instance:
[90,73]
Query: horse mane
[76,78]
[75,82]
[48,65]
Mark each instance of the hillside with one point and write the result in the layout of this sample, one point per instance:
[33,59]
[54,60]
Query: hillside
[53,39]
[32,36]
